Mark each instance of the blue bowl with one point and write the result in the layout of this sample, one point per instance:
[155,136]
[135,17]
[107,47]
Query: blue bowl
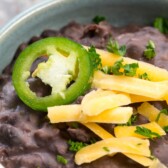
[56,13]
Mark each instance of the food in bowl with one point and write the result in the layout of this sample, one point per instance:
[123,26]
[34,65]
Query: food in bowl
[107,120]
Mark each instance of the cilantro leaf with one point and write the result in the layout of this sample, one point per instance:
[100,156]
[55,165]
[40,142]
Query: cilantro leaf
[106,149]
[61,159]
[120,69]
[116,68]
[150,52]
[97,19]
[152,157]
[163,111]
[144,76]
[113,47]
[161,24]
[107,69]
[146,132]
[132,119]
[76,146]
[130,69]
[95,58]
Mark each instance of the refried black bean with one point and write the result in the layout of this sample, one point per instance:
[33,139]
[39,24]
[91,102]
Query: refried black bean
[27,140]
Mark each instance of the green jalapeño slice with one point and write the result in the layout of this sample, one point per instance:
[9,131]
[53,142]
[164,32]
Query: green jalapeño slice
[68,71]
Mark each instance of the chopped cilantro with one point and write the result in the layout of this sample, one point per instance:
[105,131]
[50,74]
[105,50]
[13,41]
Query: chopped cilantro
[152,157]
[76,146]
[165,128]
[130,69]
[163,111]
[146,132]
[106,69]
[95,58]
[144,76]
[116,68]
[132,119]
[97,19]
[161,24]
[113,47]
[61,159]
[139,144]
[150,52]
[120,69]
[106,149]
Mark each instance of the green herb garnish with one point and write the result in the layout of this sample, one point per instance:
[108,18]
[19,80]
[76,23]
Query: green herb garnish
[76,146]
[152,157]
[61,159]
[150,52]
[113,47]
[116,68]
[120,69]
[161,24]
[144,76]
[163,111]
[106,149]
[165,128]
[139,144]
[107,69]
[98,19]
[146,132]
[130,69]
[132,120]
[95,58]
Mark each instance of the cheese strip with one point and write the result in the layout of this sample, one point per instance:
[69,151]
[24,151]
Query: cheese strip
[157,164]
[154,73]
[114,145]
[151,113]
[64,113]
[98,130]
[116,115]
[103,134]
[94,103]
[129,131]
[155,90]
[145,161]
[138,99]
[69,113]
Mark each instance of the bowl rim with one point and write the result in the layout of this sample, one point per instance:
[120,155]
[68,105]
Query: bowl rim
[25,14]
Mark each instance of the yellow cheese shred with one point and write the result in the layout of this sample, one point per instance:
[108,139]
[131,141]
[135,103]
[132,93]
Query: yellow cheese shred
[98,130]
[70,113]
[114,145]
[95,102]
[150,112]
[154,73]
[103,134]
[130,85]
[129,131]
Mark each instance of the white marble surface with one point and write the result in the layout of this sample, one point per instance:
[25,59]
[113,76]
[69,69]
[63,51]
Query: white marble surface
[10,8]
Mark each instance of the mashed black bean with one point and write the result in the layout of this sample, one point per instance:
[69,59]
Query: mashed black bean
[27,140]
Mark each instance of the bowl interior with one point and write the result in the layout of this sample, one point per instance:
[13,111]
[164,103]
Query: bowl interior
[53,14]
